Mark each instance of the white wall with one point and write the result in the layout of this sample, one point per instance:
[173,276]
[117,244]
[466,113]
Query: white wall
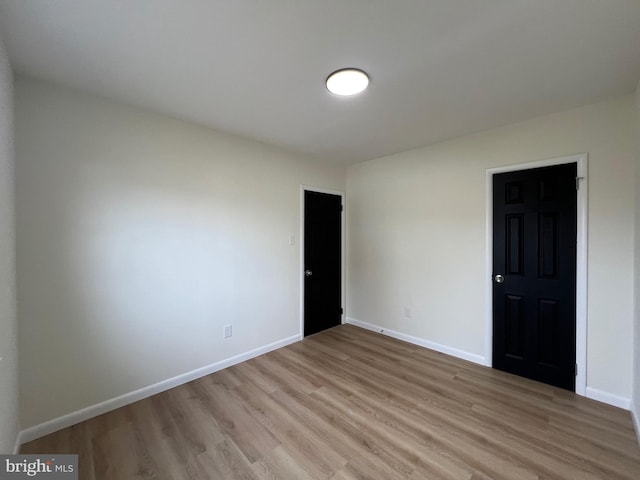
[416,234]
[139,237]
[8,326]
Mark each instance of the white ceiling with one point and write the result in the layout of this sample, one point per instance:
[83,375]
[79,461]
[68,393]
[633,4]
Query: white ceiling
[439,68]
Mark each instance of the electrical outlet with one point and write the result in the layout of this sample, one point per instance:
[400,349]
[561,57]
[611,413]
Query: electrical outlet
[407,312]
[227,332]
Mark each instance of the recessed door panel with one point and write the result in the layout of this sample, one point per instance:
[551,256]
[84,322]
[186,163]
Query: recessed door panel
[515,328]
[515,244]
[514,193]
[548,245]
[548,322]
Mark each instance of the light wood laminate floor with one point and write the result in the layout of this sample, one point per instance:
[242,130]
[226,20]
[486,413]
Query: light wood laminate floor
[352,404]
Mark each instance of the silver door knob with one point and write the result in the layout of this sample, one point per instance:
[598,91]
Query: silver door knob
[308,273]
[499,278]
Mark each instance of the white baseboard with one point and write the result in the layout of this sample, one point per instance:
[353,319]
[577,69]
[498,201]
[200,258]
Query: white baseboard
[610,398]
[16,447]
[454,352]
[86,413]
[635,416]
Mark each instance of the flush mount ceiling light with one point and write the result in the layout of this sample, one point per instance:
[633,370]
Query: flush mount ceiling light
[347,81]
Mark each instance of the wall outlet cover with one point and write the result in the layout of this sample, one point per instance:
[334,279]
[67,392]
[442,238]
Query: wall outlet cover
[227,332]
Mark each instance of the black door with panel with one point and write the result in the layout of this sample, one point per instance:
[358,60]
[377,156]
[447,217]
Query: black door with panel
[322,261]
[534,274]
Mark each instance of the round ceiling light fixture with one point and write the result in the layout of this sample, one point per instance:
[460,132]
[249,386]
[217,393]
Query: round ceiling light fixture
[347,81]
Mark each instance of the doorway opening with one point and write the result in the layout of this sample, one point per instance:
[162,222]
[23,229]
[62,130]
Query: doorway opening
[547,305]
[322,260]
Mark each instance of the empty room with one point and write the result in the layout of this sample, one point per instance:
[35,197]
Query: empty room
[339,240]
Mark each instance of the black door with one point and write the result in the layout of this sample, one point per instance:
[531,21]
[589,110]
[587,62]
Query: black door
[534,274]
[322,261]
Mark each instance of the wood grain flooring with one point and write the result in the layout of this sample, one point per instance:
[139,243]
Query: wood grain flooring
[350,404]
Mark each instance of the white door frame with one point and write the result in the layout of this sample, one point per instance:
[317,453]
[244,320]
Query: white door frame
[581,259]
[308,188]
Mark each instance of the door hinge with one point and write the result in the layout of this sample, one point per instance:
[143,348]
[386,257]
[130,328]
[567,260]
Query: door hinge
[341,311]
[576,369]
[578,182]
[341,208]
